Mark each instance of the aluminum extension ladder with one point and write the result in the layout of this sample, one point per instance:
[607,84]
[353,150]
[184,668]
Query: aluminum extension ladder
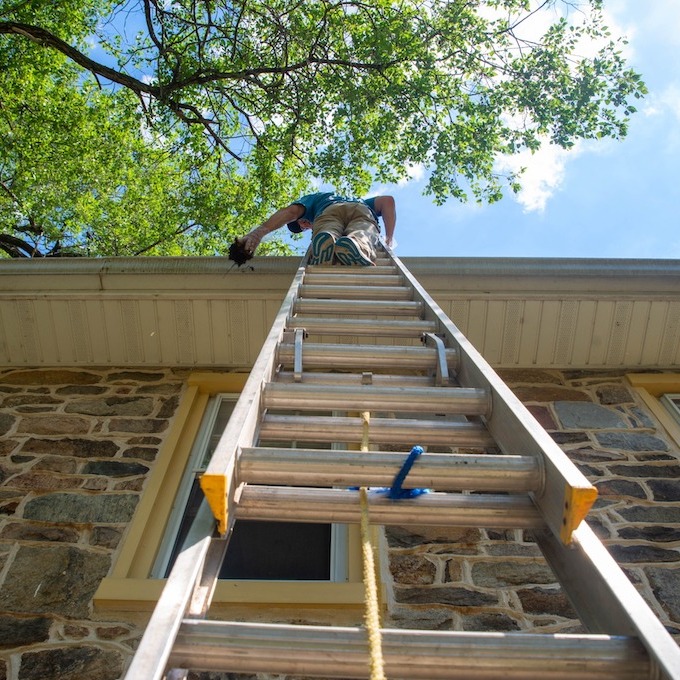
[412,363]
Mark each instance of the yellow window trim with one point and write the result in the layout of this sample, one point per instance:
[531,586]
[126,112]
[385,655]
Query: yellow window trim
[651,386]
[129,588]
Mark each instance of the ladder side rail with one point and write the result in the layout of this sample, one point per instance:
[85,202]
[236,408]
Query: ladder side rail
[217,480]
[605,599]
[324,651]
[151,657]
[566,496]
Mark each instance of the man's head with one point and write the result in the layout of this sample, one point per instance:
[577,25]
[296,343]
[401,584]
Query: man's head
[299,225]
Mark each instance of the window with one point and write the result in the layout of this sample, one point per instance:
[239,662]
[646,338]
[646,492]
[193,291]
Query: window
[137,576]
[661,393]
[257,550]
[672,403]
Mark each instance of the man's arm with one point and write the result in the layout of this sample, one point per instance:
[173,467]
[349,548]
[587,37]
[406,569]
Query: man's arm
[387,208]
[252,239]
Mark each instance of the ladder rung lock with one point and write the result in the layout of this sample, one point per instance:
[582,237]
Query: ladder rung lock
[373,327]
[321,355]
[448,400]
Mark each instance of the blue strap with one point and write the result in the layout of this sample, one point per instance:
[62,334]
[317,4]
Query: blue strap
[396,491]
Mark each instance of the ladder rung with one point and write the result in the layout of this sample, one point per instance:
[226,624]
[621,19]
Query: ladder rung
[377,327]
[342,652]
[441,472]
[462,400]
[407,432]
[322,355]
[367,278]
[302,504]
[310,378]
[351,307]
[384,266]
[356,292]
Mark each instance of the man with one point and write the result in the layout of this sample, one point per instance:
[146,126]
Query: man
[344,228]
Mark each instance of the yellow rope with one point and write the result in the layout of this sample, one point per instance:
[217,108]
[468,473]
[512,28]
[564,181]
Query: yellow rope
[372,614]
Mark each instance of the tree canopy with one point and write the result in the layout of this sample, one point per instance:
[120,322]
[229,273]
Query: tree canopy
[164,127]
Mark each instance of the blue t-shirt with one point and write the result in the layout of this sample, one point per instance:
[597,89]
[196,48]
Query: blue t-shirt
[315,204]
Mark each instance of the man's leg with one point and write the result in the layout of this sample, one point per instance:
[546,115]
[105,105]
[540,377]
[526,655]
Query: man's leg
[326,230]
[357,245]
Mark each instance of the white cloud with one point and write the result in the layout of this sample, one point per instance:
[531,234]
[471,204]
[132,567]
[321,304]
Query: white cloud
[543,174]
[414,173]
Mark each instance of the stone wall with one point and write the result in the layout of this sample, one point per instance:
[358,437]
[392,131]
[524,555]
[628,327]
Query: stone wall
[478,580]
[75,450]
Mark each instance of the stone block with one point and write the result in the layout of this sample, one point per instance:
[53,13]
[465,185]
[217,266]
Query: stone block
[137,426]
[6,423]
[78,448]
[665,585]
[169,406]
[456,596]
[147,453]
[114,468]
[659,470]
[569,437]
[400,537]
[576,415]
[656,514]
[50,377]
[547,394]
[28,531]
[71,663]
[18,400]
[490,622]
[19,631]
[665,489]
[543,416]
[53,425]
[136,376]
[83,508]
[7,445]
[590,455]
[105,537]
[631,441]
[412,570]
[49,579]
[657,534]
[511,573]
[62,465]
[112,406]
[453,571]
[529,375]
[44,481]
[69,390]
[614,394]
[636,553]
[548,601]
[620,487]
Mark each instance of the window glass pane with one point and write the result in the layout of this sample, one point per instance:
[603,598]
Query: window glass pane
[278,551]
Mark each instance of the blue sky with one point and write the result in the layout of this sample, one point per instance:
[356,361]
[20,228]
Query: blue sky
[605,199]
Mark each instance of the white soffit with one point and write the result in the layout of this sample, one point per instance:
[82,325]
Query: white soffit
[599,314]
